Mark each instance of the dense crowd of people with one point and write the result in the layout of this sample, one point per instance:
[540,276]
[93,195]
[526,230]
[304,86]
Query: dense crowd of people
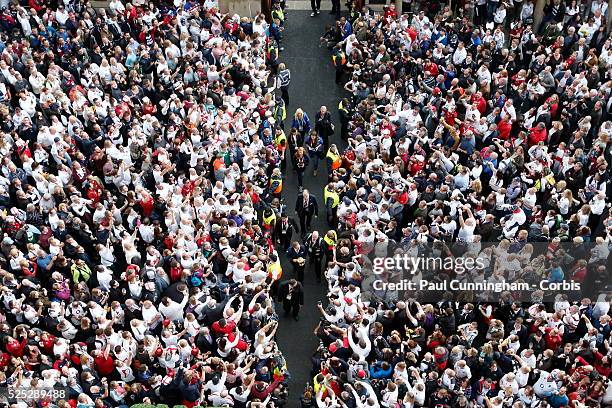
[469,135]
[141,153]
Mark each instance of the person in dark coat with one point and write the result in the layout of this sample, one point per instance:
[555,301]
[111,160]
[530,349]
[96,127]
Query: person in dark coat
[306,207]
[324,126]
[315,248]
[284,231]
[291,295]
[297,255]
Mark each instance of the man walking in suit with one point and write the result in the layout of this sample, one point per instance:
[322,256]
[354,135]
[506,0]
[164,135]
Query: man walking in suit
[314,247]
[291,295]
[284,231]
[297,255]
[306,206]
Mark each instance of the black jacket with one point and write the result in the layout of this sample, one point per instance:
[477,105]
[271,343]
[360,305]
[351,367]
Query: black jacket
[297,295]
[287,230]
[311,209]
[315,248]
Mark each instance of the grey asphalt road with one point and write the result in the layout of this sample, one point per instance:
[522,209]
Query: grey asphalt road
[312,85]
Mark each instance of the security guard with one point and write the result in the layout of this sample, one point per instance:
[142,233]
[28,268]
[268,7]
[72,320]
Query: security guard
[278,13]
[269,220]
[272,56]
[339,61]
[275,272]
[279,137]
[280,143]
[331,199]
[334,161]
[275,186]
[329,245]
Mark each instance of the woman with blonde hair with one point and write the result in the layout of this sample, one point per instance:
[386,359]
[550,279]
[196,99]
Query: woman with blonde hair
[566,201]
[301,122]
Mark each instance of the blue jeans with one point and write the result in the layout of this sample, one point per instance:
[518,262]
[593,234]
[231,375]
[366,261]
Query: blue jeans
[314,159]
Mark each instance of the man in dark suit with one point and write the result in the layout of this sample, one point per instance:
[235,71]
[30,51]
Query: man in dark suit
[306,206]
[324,126]
[297,255]
[291,294]
[284,231]
[212,311]
[205,341]
[315,248]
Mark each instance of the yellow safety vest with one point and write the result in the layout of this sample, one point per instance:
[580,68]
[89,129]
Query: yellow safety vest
[269,220]
[316,386]
[278,188]
[329,241]
[336,160]
[279,138]
[339,59]
[342,108]
[283,114]
[333,195]
[280,14]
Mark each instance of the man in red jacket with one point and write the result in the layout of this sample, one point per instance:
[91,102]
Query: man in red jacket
[504,127]
[481,103]
[537,134]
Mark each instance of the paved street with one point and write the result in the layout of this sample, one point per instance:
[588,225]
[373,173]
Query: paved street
[312,86]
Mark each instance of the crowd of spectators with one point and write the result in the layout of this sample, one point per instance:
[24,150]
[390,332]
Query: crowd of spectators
[140,156]
[469,134]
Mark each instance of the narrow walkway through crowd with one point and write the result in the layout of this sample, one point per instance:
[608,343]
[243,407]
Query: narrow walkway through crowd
[312,85]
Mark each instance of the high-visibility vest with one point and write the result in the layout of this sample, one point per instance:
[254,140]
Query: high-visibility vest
[336,160]
[272,52]
[342,107]
[339,59]
[317,386]
[275,271]
[279,187]
[330,242]
[279,138]
[269,220]
[333,195]
[278,14]
[283,112]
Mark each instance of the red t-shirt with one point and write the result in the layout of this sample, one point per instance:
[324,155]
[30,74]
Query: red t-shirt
[104,365]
